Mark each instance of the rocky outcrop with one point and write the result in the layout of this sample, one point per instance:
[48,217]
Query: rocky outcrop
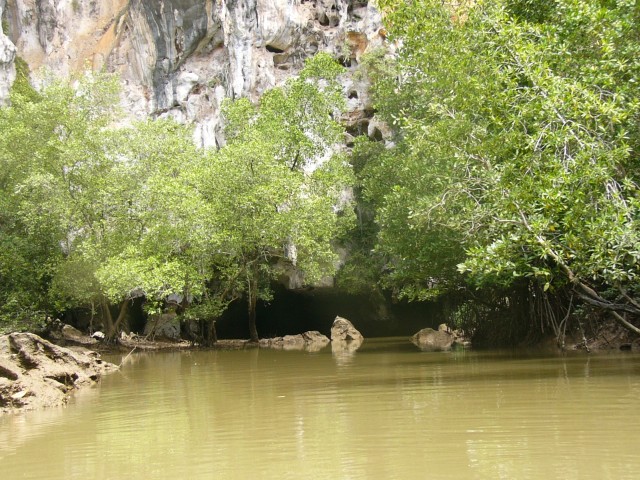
[7,67]
[166,326]
[183,57]
[311,341]
[429,339]
[35,373]
[345,340]
[68,335]
[343,330]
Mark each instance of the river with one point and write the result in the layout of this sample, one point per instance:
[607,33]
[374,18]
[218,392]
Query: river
[387,412]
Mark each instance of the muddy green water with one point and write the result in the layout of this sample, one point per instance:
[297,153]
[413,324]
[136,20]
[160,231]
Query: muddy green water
[387,412]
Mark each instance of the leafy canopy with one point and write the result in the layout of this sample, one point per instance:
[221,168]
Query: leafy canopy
[277,188]
[97,213]
[515,151]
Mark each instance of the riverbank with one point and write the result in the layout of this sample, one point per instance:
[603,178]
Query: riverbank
[605,337]
[594,337]
[35,373]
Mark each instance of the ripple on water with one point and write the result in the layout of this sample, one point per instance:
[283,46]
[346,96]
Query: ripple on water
[389,412]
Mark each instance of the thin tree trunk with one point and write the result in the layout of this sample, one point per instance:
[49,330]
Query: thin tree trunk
[213,335]
[208,332]
[122,315]
[253,293]
[107,320]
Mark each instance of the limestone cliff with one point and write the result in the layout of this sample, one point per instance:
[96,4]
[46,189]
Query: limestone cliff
[183,57]
[7,55]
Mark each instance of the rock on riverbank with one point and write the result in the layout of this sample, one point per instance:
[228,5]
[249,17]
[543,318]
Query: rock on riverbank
[312,341]
[35,373]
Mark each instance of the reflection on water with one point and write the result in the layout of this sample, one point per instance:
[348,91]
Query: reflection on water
[344,350]
[386,411]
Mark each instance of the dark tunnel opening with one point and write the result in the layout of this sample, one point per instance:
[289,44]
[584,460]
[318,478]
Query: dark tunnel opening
[293,312]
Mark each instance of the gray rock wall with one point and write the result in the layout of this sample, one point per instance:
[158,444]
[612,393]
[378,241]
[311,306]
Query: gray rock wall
[7,55]
[183,57]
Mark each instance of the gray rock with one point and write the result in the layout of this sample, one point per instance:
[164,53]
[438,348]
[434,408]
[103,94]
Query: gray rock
[275,343]
[345,340]
[314,336]
[315,341]
[343,330]
[183,57]
[166,325]
[433,340]
[7,68]
[459,336]
[312,341]
[293,342]
[71,334]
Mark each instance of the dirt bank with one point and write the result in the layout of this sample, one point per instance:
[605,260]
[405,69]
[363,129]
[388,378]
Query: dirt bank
[35,373]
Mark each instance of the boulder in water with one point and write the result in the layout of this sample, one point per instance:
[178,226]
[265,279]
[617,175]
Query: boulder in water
[311,341]
[433,340]
[343,330]
[345,340]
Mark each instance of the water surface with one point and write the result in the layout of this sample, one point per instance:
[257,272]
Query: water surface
[388,411]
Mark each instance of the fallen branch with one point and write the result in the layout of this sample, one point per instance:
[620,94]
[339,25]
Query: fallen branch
[125,358]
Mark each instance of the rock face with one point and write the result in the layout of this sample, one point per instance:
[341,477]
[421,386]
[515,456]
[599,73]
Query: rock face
[345,341]
[183,57]
[7,55]
[343,330]
[166,325]
[429,339]
[73,336]
[35,373]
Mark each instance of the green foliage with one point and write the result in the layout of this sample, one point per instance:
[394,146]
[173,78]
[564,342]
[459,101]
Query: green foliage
[47,148]
[533,11]
[275,187]
[21,87]
[95,214]
[360,274]
[515,155]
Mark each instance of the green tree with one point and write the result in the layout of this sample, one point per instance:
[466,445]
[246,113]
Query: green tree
[42,139]
[96,214]
[515,157]
[277,189]
[150,236]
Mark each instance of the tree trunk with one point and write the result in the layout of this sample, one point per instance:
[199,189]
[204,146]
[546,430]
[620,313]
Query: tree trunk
[110,325]
[253,294]
[107,320]
[213,335]
[208,332]
[122,316]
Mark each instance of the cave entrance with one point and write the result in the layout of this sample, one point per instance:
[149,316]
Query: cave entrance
[296,311]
